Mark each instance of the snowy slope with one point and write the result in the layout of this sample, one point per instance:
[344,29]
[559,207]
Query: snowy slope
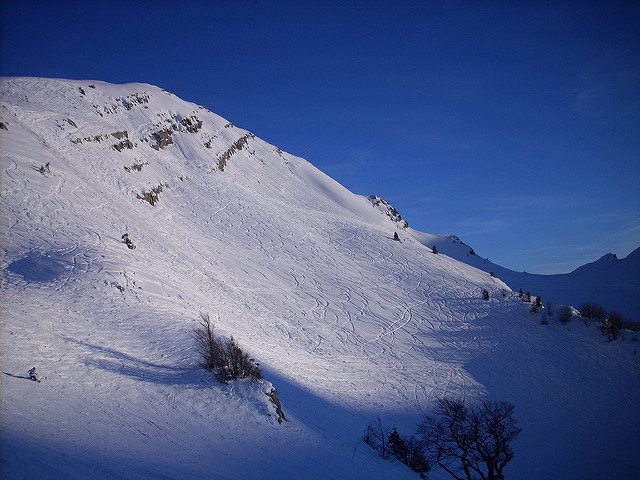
[610,282]
[346,323]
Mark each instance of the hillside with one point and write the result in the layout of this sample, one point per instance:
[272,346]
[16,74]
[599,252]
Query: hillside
[610,282]
[347,323]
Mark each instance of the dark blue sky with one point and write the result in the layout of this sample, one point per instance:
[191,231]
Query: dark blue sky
[514,125]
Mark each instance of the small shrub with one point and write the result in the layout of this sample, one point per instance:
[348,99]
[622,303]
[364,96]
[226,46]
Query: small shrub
[564,314]
[612,325]
[397,445]
[416,457]
[222,355]
[390,444]
[592,311]
[550,309]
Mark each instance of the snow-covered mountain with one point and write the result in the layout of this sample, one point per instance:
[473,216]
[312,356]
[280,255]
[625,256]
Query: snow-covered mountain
[610,282]
[126,212]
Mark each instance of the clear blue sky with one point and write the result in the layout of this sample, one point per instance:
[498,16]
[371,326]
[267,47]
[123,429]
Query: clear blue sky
[514,125]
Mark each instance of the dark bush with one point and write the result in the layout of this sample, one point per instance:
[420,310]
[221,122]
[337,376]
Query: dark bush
[222,355]
[592,311]
[390,444]
[611,325]
[564,314]
[416,458]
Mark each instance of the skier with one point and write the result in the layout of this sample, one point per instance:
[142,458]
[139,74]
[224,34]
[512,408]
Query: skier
[32,375]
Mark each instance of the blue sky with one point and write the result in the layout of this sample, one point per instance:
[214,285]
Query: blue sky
[514,125]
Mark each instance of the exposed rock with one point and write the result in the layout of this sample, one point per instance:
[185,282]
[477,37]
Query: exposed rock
[235,147]
[163,138]
[120,134]
[273,397]
[123,144]
[192,124]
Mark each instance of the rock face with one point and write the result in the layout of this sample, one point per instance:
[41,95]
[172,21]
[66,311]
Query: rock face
[389,210]
[273,397]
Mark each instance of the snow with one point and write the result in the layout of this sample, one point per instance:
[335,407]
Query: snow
[346,323]
[610,282]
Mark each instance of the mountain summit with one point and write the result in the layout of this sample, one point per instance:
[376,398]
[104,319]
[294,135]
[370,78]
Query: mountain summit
[126,212]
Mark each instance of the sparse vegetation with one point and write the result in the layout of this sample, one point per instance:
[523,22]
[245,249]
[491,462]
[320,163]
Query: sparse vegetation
[222,355]
[376,436]
[592,311]
[390,444]
[564,314]
[611,326]
[470,442]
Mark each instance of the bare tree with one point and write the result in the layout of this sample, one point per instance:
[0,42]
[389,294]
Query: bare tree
[222,355]
[377,437]
[470,441]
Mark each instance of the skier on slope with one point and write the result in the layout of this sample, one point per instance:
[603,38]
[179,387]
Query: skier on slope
[32,375]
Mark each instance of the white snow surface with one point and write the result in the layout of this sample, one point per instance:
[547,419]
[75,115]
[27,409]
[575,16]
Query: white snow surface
[610,282]
[345,322]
